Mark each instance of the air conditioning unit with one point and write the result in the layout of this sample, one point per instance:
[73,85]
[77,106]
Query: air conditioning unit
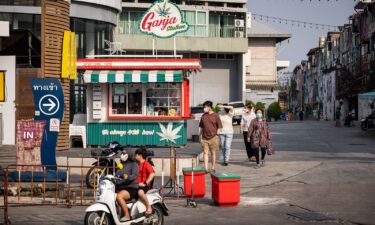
[239,34]
[239,23]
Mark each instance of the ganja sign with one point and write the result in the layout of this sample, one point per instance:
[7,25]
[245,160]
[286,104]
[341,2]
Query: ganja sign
[163,19]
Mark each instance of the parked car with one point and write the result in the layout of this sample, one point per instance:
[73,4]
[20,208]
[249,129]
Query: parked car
[239,110]
[197,112]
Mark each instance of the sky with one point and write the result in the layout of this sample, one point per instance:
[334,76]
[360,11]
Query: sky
[333,12]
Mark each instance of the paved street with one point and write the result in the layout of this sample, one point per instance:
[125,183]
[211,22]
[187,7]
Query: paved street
[317,168]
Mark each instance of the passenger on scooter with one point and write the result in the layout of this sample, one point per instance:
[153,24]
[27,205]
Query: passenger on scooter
[145,177]
[128,188]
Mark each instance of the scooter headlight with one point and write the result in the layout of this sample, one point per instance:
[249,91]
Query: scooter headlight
[102,186]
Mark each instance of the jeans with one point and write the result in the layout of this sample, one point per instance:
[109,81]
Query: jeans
[249,148]
[263,150]
[226,142]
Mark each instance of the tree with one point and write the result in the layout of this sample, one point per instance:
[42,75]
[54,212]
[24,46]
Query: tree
[274,111]
[260,105]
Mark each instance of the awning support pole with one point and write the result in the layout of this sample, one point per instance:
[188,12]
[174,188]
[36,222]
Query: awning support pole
[153,46]
[174,46]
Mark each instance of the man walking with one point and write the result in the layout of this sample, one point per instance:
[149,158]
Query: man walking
[209,128]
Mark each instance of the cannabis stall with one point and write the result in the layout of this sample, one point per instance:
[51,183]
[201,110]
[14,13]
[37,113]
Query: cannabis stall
[137,102]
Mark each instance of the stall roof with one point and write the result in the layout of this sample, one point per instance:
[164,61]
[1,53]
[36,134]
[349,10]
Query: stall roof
[139,64]
[368,95]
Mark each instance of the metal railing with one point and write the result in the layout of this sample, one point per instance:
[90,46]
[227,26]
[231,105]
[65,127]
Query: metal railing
[46,191]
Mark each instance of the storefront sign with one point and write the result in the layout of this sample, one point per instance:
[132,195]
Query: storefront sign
[69,56]
[138,134]
[163,20]
[49,107]
[29,142]
[2,86]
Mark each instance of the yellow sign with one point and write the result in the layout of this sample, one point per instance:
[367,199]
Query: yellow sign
[2,86]
[69,56]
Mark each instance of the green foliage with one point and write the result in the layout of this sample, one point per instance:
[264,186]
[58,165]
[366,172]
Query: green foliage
[274,111]
[249,102]
[260,105]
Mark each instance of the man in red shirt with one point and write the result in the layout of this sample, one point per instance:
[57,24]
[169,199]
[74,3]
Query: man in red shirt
[146,175]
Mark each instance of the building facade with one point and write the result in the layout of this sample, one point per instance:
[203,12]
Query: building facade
[260,63]
[342,68]
[216,35]
[93,21]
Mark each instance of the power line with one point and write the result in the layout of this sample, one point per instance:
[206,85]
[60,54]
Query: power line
[292,22]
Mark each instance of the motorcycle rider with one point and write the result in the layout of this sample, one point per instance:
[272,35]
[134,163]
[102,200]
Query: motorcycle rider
[128,187]
[145,177]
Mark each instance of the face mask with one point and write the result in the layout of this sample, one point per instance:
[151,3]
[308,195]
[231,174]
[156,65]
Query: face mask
[221,110]
[259,115]
[206,109]
[124,157]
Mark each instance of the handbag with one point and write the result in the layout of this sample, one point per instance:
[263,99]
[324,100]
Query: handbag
[270,149]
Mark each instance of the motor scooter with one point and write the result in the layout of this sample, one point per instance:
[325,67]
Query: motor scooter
[106,210]
[105,163]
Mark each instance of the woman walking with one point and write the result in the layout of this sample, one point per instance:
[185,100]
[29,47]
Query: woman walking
[244,129]
[260,137]
[226,133]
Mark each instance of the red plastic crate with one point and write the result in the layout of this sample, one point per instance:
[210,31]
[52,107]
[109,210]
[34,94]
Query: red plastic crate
[199,182]
[225,189]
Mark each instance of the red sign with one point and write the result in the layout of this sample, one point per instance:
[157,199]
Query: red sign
[29,141]
[163,19]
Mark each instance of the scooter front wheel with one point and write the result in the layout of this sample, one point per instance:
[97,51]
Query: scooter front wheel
[158,215]
[97,218]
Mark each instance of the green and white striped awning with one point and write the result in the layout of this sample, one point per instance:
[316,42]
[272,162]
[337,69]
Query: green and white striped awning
[132,76]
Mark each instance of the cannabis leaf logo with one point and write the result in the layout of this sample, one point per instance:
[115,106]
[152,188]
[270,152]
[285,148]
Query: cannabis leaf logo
[164,11]
[169,134]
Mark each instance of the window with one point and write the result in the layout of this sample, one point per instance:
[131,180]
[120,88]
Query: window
[129,20]
[198,23]
[163,99]
[127,99]
[151,99]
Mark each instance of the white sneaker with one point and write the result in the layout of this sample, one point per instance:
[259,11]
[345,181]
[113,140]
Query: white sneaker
[263,162]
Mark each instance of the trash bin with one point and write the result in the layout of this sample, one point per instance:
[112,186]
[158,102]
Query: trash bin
[199,182]
[225,189]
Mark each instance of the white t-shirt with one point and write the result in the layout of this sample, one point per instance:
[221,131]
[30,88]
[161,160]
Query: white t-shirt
[227,122]
[246,119]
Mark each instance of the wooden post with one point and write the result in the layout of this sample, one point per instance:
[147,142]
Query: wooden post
[55,20]
[173,165]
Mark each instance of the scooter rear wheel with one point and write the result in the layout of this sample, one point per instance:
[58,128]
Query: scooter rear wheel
[94,218]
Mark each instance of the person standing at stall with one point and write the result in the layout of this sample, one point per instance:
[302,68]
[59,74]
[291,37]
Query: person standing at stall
[210,124]
[244,130]
[226,133]
[260,137]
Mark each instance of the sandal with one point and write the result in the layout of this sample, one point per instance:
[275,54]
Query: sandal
[124,219]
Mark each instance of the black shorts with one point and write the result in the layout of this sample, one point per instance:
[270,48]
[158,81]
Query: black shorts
[133,192]
[145,189]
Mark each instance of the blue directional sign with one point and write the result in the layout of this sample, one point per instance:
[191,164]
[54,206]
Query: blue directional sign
[49,104]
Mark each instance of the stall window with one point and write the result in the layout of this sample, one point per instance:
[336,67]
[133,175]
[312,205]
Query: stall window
[157,99]
[163,99]
[118,99]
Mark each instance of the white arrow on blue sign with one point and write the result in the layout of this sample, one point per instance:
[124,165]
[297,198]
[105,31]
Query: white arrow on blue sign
[49,105]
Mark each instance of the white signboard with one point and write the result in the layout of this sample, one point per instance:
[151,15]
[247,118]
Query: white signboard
[54,125]
[163,19]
